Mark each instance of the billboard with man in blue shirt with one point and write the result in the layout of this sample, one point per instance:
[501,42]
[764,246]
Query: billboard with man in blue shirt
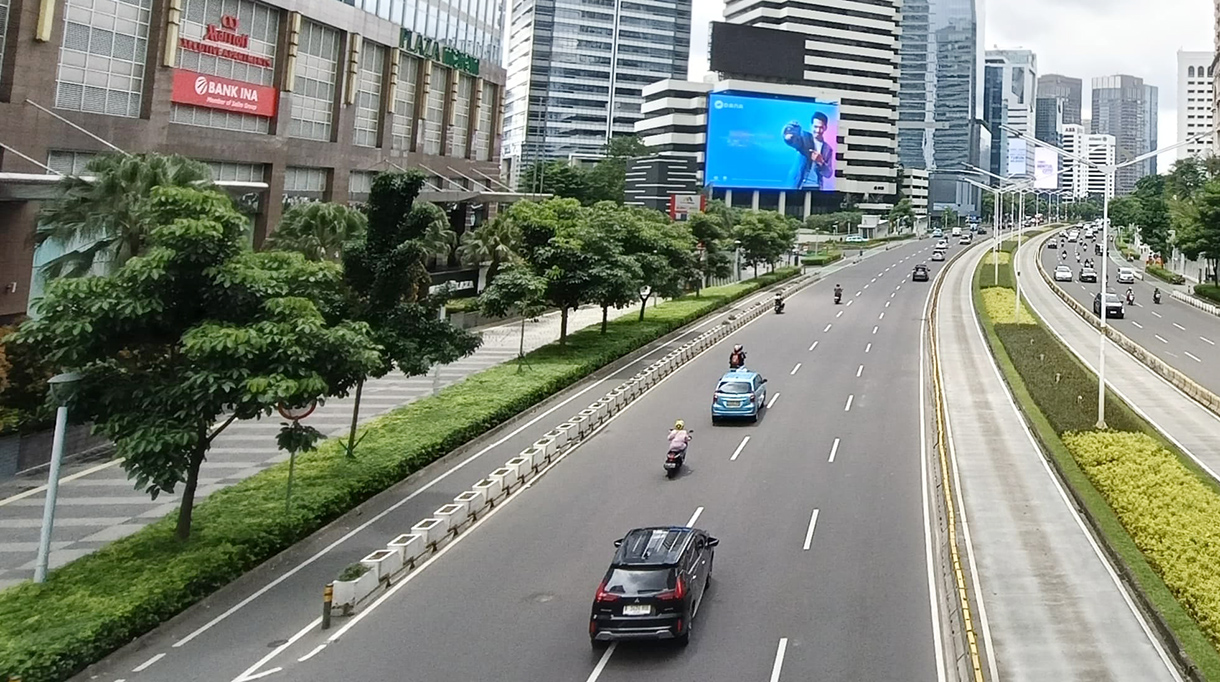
[777,143]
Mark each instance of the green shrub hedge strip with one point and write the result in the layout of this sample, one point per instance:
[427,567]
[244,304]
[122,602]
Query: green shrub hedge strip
[100,602]
[1165,275]
[1209,291]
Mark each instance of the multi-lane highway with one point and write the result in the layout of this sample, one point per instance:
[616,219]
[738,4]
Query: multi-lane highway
[823,570]
[1181,335]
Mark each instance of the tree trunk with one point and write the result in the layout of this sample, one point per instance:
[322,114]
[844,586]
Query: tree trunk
[756,271]
[351,434]
[521,346]
[605,317]
[492,270]
[643,307]
[192,482]
[563,326]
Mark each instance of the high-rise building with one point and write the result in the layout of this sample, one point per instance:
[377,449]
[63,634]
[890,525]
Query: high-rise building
[1065,88]
[1126,107]
[1196,102]
[576,71]
[940,92]
[674,119]
[1084,180]
[1009,95]
[1048,120]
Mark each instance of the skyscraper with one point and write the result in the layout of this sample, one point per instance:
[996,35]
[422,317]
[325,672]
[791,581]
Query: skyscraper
[940,96]
[1055,86]
[1126,107]
[1196,108]
[1009,91]
[576,69]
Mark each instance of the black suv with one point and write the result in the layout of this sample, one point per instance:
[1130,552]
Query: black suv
[920,274]
[654,586]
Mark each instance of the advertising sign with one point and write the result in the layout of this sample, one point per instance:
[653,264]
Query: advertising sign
[1016,158]
[429,48]
[227,33]
[215,92]
[1046,168]
[761,142]
[682,205]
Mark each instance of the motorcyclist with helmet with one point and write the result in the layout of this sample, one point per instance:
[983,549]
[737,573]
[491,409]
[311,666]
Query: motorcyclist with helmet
[838,293]
[679,437]
[737,359]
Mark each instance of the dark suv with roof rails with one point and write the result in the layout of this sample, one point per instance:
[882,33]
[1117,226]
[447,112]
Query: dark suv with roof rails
[654,586]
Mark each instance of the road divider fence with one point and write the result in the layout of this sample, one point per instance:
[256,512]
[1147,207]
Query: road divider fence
[406,553]
[1197,303]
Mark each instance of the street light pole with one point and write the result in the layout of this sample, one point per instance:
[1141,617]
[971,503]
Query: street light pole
[62,386]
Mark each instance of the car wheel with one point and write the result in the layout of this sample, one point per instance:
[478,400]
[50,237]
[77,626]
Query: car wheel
[684,638]
[754,417]
[598,646]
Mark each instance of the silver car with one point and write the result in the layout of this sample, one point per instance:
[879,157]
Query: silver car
[1063,274]
[1126,276]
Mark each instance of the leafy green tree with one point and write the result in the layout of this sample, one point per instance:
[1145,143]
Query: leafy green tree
[516,291]
[1200,221]
[948,217]
[24,406]
[106,220]
[765,236]
[901,212]
[714,244]
[494,242]
[1125,210]
[196,328]
[551,234]
[562,179]
[607,180]
[1185,178]
[664,250]
[388,284]
[318,230]
[615,276]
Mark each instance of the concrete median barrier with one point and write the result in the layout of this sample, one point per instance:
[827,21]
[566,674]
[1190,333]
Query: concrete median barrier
[410,546]
[432,530]
[383,563]
[1196,303]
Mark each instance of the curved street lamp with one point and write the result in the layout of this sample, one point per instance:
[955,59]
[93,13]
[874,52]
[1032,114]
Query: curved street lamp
[63,387]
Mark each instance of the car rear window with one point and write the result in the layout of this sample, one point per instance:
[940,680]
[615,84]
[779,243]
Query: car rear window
[634,581]
[734,387]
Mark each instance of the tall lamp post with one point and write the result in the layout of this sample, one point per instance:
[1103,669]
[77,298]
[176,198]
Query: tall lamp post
[1110,171]
[63,386]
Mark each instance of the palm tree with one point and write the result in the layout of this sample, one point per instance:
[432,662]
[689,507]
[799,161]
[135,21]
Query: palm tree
[438,237]
[105,219]
[494,242]
[318,230]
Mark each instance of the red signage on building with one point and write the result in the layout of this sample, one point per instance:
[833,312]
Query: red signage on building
[225,34]
[215,92]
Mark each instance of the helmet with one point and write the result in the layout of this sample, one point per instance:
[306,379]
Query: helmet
[737,347]
[679,425]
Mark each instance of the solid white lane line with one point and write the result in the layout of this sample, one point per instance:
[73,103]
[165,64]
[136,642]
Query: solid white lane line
[1192,356]
[828,327]
[847,408]
[772,400]
[813,521]
[795,369]
[263,674]
[601,664]
[1137,324]
[1209,341]
[834,450]
[313,653]
[249,672]
[695,517]
[738,450]
[779,659]
[65,479]
[1179,326]
[859,370]
[874,329]
[840,314]
[868,347]
[1160,338]
[815,345]
[146,664]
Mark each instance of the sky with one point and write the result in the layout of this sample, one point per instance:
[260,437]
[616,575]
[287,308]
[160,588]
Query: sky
[1078,38]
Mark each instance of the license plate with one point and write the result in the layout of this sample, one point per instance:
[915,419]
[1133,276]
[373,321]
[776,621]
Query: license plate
[733,403]
[637,610]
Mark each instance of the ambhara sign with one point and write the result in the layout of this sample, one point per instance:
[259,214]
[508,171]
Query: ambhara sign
[215,92]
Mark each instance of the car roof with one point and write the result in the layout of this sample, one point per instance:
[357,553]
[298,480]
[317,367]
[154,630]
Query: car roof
[1063,267]
[738,375]
[653,546]
[921,265]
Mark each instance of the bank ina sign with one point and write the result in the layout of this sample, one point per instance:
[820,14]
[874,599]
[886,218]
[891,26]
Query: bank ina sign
[429,48]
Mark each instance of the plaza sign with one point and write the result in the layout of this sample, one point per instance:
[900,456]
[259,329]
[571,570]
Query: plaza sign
[429,48]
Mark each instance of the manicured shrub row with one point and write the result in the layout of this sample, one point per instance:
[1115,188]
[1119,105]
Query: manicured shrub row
[1165,275]
[1209,291]
[989,275]
[1173,516]
[1064,390]
[1000,304]
[98,603]
[822,258]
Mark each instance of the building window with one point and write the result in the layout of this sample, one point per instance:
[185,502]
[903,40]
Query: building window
[483,133]
[459,131]
[360,183]
[3,29]
[101,62]
[368,95]
[262,24]
[404,102]
[434,113]
[69,163]
[313,99]
[304,180]
[223,171]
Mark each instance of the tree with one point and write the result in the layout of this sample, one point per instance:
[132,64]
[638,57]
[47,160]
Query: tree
[607,180]
[615,276]
[1153,216]
[1200,221]
[516,291]
[494,242]
[948,216]
[902,211]
[196,328]
[715,245]
[764,237]
[318,230]
[388,284]
[664,250]
[107,220]
[1124,210]
[551,233]
[560,178]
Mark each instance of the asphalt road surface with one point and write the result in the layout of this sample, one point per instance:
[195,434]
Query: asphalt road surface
[845,598]
[1183,336]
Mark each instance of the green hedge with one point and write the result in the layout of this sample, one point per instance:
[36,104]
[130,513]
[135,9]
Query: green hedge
[822,258]
[1209,291]
[1165,275]
[100,602]
[991,276]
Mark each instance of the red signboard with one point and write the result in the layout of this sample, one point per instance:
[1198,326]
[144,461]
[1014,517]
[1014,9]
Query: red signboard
[215,92]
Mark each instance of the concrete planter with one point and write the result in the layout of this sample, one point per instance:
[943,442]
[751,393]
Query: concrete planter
[453,514]
[432,530]
[546,445]
[504,478]
[410,546]
[475,501]
[580,425]
[518,467]
[348,593]
[532,458]
[491,488]
[383,563]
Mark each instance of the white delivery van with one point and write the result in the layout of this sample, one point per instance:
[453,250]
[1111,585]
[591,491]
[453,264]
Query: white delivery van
[957,231]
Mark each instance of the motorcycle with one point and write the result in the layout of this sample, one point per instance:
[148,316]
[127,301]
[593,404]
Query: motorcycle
[779,307]
[674,460]
[1130,299]
[1156,297]
[838,297]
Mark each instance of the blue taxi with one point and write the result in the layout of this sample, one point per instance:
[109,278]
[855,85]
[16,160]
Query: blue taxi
[739,393]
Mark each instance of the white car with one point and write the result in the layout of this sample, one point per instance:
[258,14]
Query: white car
[1073,236]
[1126,276]
[1063,274]
[965,239]
[855,239]
[941,245]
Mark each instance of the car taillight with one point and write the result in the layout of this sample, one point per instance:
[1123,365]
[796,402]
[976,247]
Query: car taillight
[603,595]
[677,593]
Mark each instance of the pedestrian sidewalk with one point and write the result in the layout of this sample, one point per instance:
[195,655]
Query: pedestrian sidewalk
[1051,607]
[97,504]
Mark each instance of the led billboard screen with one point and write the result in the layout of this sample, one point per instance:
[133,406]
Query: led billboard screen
[778,143]
[755,51]
[1046,168]
[1017,159]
